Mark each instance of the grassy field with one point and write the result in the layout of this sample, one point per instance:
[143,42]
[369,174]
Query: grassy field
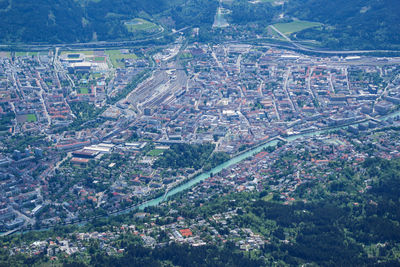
[140,25]
[83,91]
[99,59]
[31,118]
[115,52]
[116,56]
[268,197]
[26,54]
[155,152]
[20,54]
[295,26]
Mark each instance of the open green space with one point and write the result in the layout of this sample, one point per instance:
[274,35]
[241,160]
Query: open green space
[99,59]
[26,54]
[268,197]
[140,25]
[113,52]
[116,57]
[295,26]
[20,54]
[83,91]
[155,152]
[31,118]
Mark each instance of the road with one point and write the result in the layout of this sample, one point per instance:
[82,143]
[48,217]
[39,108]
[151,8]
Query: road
[309,85]
[276,107]
[285,85]
[216,59]
[43,102]
[283,35]
[331,83]
[260,87]
[15,123]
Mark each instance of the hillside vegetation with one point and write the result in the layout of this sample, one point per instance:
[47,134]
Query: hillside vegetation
[362,24]
[56,21]
[51,21]
[345,24]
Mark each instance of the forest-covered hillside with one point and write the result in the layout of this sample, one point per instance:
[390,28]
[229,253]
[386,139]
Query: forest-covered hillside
[53,21]
[346,24]
[56,21]
[363,24]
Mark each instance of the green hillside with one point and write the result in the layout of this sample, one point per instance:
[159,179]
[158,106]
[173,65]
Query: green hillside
[346,24]
[52,21]
[66,21]
[362,24]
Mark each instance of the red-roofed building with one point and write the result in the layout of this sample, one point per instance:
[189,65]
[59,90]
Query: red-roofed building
[79,161]
[186,232]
